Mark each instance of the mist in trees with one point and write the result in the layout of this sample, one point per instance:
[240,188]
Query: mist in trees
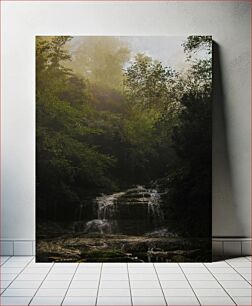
[107,119]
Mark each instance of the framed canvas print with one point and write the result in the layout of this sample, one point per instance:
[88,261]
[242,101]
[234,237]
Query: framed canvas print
[123,149]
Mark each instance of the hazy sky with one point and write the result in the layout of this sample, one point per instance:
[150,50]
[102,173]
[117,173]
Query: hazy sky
[166,49]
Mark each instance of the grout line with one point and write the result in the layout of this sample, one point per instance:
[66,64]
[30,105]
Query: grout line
[96,300]
[41,282]
[160,283]
[9,257]
[246,258]
[70,283]
[1,295]
[189,283]
[220,283]
[238,272]
[131,299]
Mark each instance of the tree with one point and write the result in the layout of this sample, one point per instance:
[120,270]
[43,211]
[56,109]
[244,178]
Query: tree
[67,163]
[189,184]
[100,60]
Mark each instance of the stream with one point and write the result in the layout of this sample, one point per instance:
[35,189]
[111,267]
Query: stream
[127,226]
[134,211]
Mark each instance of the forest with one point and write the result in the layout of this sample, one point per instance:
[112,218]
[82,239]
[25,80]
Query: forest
[123,151]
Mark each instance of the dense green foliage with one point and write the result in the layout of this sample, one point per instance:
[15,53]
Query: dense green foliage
[102,127]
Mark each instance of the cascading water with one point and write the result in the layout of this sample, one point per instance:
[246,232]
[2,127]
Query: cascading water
[136,210]
[107,205]
[154,204]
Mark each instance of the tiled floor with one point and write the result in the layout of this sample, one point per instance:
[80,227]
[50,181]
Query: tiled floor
[24,282]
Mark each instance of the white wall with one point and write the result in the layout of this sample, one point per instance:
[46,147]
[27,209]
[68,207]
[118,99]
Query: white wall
[228,22]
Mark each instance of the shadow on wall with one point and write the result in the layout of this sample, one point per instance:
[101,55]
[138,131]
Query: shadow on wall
[225,214]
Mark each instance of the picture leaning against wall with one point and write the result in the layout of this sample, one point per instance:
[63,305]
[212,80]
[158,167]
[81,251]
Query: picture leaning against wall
[123,149]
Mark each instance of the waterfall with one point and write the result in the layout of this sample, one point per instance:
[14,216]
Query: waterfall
[136,210]
[154,204]
[107,205]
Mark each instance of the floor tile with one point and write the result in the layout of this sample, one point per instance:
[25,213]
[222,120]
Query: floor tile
[85,284]
[191,264]
[217,264]
[210,292]
[114,284]
[221,270]
[3,259]
[235,284]
[247,277]
[152,301]
[63,270]
[80,301]
[46,300]
[27,276]
[9,276]
[19,292]
[146,292]
[118,277]
[168,270]
[140,265]
[11,301]
[21,258]
[143,277]
[40,265]
[59,277]
[229,276]
[239,291]
[205,284]
[55,284]
[90,268]
[5,283]
[25,284]
[200,276]
[67,265]
[174,284]
[8,270]
[165,264]
[178,292]
[243,300]
[221,300]
[195,270]
[144,284]
[114,270]
[180,300]
[51,292]
[141,270]
[97,264]
[102,300]
[241,264]
[29,270]
[114,292]
[14,264]
[172,276]
[87,277]
[82,292]
[237,259]
[243,270]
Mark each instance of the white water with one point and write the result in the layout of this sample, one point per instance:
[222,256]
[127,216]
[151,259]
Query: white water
[107,205]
